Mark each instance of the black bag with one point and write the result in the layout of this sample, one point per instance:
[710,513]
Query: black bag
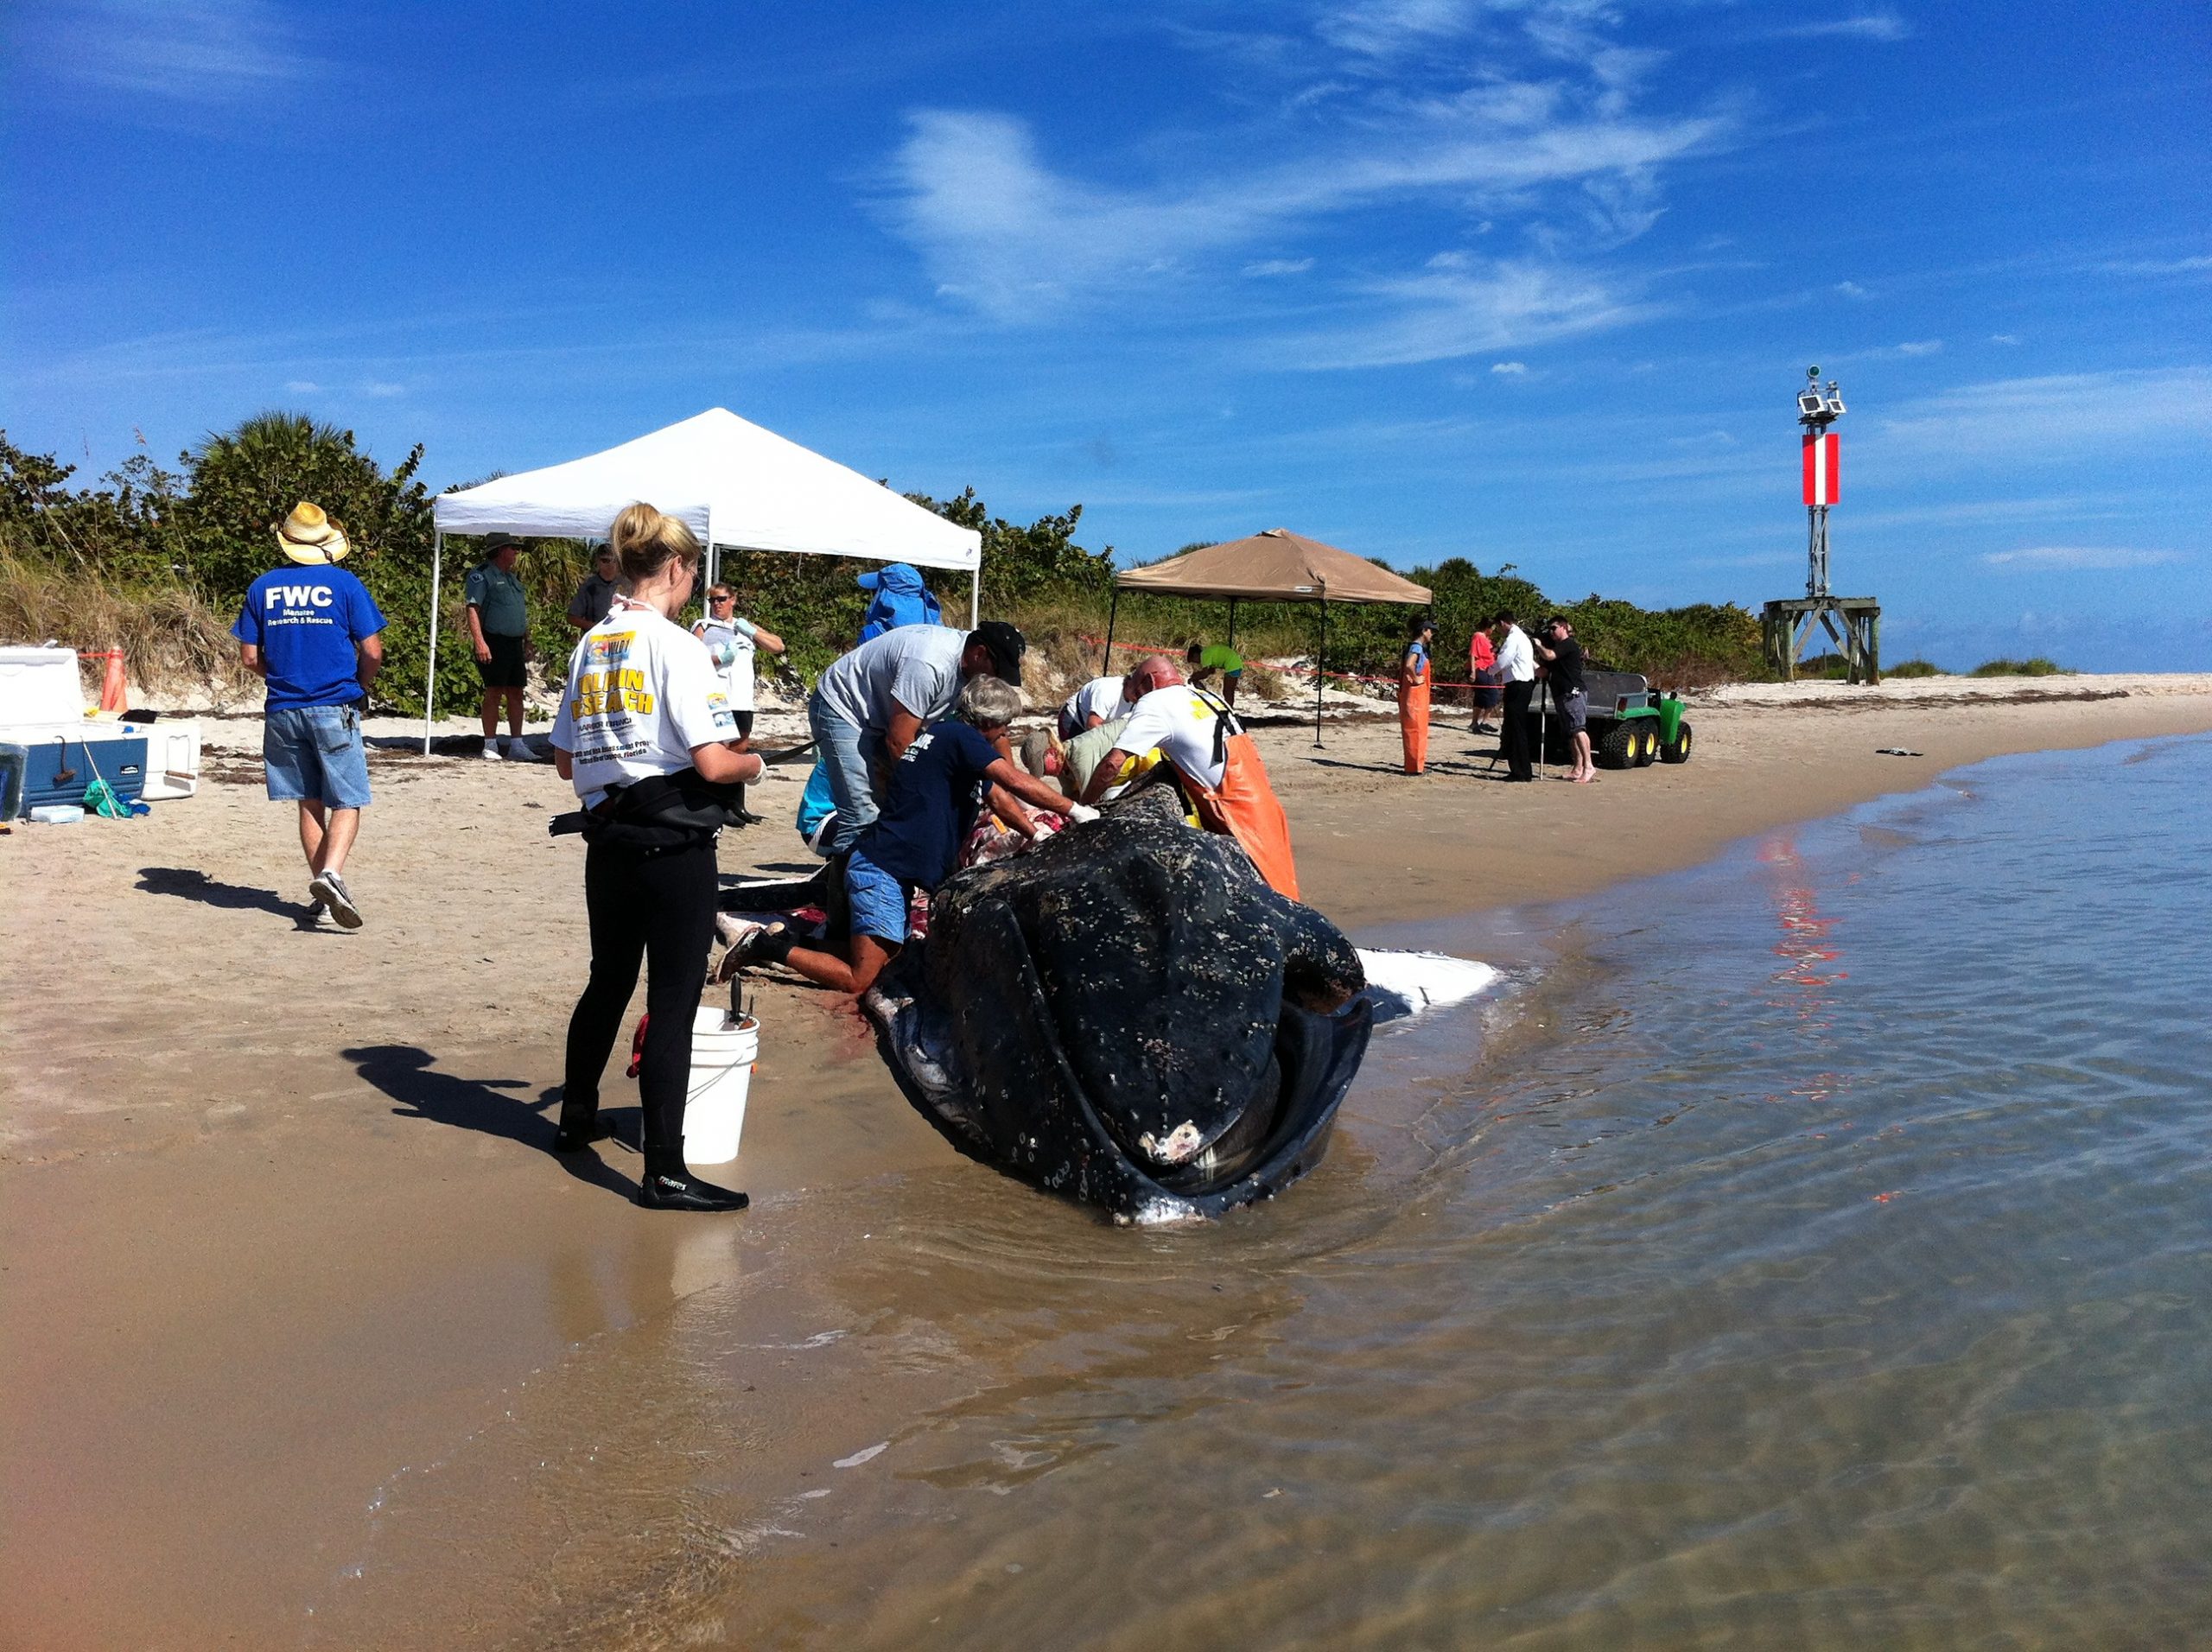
[662,812]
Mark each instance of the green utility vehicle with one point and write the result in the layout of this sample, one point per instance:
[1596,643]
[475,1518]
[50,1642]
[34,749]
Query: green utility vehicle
[1630,727]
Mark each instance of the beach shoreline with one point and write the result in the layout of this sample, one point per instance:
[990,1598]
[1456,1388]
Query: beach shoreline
[247,1292]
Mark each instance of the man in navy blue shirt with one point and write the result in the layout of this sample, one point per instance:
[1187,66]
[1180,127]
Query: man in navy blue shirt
[937,787]
[310,629]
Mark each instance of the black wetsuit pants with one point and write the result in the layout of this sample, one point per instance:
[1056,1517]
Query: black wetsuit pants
[744,732]
[1518,763]
[658,909]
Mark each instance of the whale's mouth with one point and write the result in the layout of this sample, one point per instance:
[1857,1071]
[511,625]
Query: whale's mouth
[1184,1160]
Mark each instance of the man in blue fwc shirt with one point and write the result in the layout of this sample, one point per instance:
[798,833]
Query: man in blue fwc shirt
[309,628]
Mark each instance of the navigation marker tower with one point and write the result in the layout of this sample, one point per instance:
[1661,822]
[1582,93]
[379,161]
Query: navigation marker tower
[1853,623]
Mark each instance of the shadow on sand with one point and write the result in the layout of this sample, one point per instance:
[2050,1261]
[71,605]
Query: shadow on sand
[189,883]
[409,1076]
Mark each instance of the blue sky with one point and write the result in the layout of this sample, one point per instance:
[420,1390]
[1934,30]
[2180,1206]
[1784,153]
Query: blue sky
[1529,283]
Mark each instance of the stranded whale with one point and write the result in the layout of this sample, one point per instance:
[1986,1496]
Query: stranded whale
[1130,1017]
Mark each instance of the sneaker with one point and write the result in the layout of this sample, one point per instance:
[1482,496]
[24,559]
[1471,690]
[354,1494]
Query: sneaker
[747,939]
[516,749]
[334,893]
[491,749]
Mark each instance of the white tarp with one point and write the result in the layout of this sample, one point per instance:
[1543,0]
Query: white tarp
[741,488]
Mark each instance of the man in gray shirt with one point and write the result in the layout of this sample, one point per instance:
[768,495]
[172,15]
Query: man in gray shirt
[867,708]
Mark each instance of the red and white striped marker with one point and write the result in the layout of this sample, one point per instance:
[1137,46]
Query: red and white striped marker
[1823,474]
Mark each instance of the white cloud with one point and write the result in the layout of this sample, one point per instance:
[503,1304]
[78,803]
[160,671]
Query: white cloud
[1850,289]
[2039,557]
[1002,231]
[1874,25]
[1922,348]
[382,389]
[205,51]
[1386,28]
[1510,369]
[2045,420]
[1441,314]
[2003,338]
[1514,114]
[2160,266]
[301,386]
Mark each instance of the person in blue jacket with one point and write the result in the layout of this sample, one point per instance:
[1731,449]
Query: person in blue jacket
[900,599]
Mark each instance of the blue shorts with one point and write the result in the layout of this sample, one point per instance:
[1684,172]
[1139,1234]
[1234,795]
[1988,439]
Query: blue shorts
[878,900]
[315,752]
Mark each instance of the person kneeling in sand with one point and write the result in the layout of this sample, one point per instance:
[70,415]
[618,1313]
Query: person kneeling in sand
[939,783]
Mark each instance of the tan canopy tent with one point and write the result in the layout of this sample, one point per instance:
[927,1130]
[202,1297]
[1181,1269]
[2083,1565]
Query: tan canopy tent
[1272,566]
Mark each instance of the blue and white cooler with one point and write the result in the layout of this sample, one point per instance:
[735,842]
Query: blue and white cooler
[50,752]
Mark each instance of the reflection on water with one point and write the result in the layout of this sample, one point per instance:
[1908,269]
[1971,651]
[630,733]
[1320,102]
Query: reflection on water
[1705,1290]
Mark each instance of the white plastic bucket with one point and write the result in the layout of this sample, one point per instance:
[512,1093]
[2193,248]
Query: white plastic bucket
[722,1055]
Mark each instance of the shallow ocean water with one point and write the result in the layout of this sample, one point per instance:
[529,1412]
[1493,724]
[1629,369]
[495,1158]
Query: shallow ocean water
[1808,1250]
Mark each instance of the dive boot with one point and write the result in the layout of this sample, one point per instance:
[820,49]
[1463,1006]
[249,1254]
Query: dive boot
[659,1193]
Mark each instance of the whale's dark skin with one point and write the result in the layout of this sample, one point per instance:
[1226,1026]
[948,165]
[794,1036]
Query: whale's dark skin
[1127,1016]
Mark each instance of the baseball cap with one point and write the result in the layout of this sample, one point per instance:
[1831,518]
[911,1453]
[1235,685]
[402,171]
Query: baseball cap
[1005,646]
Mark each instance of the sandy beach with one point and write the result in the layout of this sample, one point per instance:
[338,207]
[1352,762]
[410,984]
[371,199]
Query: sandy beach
[282,1249]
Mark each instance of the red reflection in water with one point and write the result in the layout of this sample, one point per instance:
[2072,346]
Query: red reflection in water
[1807,948]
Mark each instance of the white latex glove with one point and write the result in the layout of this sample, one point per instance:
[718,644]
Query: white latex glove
[1081,813]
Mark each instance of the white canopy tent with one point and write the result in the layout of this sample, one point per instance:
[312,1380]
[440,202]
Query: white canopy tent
[739,486]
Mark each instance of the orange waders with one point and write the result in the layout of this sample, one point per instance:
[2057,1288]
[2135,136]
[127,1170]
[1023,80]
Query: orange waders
[1244,806]
[1412,719]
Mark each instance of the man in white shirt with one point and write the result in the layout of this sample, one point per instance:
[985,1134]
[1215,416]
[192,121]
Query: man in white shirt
[1099,700]
[1516,662]
[867,708]
[1172,717]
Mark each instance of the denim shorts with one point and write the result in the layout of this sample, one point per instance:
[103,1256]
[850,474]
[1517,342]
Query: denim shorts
[315,752]
[877,899]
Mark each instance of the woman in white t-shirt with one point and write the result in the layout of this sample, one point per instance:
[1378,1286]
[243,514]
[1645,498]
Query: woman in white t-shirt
[644,703]
[731,639]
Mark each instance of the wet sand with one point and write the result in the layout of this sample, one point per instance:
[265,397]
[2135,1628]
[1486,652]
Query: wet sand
[296,1310]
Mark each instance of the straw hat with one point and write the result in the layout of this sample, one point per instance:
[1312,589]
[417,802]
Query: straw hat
[310,536]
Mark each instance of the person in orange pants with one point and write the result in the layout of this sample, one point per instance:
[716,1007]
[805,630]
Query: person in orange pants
[1415,673]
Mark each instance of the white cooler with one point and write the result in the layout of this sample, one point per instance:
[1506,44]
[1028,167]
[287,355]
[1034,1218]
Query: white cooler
[40,686]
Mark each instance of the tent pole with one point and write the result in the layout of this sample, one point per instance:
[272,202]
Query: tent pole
[431,677]
[975,595]
[1112,612]
[1320,656]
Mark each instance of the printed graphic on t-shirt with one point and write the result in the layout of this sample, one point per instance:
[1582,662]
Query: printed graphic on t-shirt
[607,687]
[613,705]
[297,605]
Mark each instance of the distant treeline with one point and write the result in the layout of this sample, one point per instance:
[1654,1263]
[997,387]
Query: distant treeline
[157,560]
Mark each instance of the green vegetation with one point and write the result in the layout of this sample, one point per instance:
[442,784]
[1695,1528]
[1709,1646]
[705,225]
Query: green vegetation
[2036,667]
[155,560]
[1914,668]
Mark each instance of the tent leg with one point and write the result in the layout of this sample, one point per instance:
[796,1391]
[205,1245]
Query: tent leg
[976,596]
[1112,612]
[430,679]
[1320,656]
